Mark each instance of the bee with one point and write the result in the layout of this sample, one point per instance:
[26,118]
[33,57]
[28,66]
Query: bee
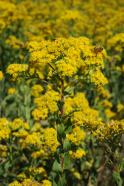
[97,50]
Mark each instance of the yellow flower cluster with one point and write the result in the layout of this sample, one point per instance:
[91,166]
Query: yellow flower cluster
[4,129]
[39,170]
[71,18]
[29,182]
[51,139]
[98,78]
[46,103]
[6,16]
[16,69]
[48,143]
[81,113]
[78,102]
[14,42]
[65,58]
[37,89]
[40,142]
[116,47]
[29,136]
[108,131]
[78,154]
[76,136]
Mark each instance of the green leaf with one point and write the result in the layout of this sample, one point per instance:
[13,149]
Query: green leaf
[54,183]
[67,162]
[62,180]
[117,178]
[57,166]
[7,166]
[66,145]
[61,129]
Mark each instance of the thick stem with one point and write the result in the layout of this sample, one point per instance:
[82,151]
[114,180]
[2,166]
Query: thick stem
[62,97]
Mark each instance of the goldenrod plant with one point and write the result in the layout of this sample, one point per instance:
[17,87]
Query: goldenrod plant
[61,93]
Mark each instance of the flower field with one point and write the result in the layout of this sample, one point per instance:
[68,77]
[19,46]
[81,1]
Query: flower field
[61,93]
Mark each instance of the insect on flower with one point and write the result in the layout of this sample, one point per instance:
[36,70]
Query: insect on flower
[97,49]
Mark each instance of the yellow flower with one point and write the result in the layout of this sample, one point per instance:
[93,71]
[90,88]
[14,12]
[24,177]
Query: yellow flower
[37,170]
[3,151]
[33,139]
[107,130]
[36,90]
[16,69]
[18,123]
[65,57]
[78,102]
[14,42]
[78,154]
[1,75]
[11,91]
[109,113]
[46,183]
[21,133]
[21,176]
[98,78]
[30,182]
[77,175]
[46,103]
[38,154]
[50,140]
[120,107]
[4,133]
[15,183]
[40,113]
[77,136]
